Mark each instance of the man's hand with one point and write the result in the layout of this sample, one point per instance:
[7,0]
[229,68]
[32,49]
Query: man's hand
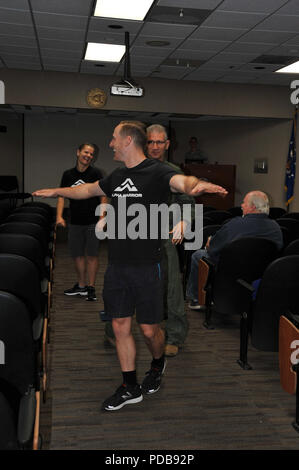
[206,187]
[45,193]
[60,222]
[178,232]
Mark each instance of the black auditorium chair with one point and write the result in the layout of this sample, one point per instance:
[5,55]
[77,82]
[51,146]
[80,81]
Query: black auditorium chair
[291,215]
[8,425]
[291,249]
[31,217]
[277,294]
[276,212]
[218,216]
[36,231]
[19,378]
[235,211]
[288,360]
[243,261]
[286,236]
[207,208]
[19,276]
[291,224]
[26,245]
[207,231]
[34,210]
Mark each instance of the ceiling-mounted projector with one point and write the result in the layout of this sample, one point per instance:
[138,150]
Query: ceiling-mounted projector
[127,86]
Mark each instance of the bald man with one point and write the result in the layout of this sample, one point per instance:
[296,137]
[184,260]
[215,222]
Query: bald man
[254,223]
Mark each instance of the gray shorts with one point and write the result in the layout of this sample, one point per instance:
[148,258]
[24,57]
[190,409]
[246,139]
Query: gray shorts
[82,240]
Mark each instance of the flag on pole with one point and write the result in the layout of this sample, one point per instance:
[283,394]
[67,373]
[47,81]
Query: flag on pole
[291,165]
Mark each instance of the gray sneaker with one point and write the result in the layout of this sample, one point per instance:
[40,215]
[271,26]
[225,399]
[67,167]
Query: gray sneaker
[76,290]
[152,380]
[124,395]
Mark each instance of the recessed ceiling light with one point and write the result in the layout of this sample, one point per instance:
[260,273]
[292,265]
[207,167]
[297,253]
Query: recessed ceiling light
[104,52]
[292,68]
[127,10]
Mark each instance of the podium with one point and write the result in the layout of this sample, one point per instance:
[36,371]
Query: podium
[223,175]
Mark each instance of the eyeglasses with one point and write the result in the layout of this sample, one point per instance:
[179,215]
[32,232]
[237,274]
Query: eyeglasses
[157,142]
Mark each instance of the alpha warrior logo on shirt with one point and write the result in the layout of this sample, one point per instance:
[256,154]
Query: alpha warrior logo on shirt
[129,186]
[78,183]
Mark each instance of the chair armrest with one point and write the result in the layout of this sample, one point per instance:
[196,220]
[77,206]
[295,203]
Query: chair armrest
[26,418]
[246,285]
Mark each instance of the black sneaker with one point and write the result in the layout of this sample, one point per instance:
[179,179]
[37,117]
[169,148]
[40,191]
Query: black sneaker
[152,380]
[76,290]
[124,395]
[91,293]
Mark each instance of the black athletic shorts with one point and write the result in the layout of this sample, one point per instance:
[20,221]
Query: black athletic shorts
[134,288]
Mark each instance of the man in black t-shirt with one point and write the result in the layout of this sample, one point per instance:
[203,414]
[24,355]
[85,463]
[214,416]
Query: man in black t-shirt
[133,280]
[83,243]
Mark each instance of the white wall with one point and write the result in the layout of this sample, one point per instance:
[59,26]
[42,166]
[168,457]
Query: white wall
[240,142]
[11,146]
[51,141]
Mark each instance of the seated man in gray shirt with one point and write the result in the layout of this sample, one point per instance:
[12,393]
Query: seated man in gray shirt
[254,223]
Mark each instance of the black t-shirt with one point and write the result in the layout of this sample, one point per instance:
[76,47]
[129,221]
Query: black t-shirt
[145,184]
[82,212]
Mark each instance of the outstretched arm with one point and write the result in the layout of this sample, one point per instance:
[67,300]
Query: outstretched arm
[83,191]
[193,186]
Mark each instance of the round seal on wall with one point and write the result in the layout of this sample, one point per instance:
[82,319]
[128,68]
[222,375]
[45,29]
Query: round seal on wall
[96,98]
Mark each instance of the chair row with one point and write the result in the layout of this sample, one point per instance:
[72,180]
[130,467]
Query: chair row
[27,247]
[256,282]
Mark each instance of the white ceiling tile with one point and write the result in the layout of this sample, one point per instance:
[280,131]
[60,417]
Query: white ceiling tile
[15,16]
[18,41]
[168,30]
[60,34]
[104,24]
[27,65]
[61,68]
[15,4]
[256,6]
[142,40]
[203,45]
[281,23]
[217,34]
[269,37]
[249,48]
[108,37]
[293,42]
[64,54]
[233,58]
[148,51]
[18,50]
[200,4]
[168,72]
[290,8]
[67,7]
[224,19]
[286,51]
[8,58]
[71,46]
[192,54]
[204,75]
[60,21]
[17,30]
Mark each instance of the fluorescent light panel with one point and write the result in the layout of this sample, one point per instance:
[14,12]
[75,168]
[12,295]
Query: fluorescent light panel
[104,52]
[292,68]
[123,9]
